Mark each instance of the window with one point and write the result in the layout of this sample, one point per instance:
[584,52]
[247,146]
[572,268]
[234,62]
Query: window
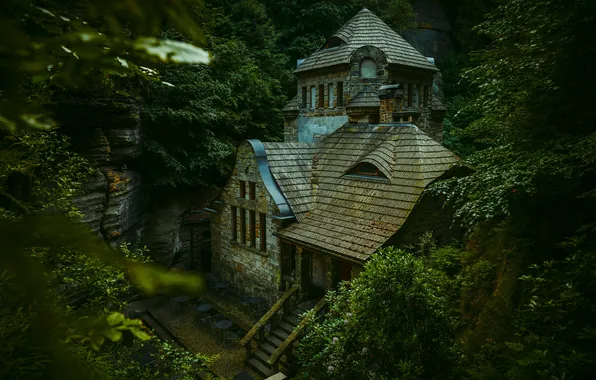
[416,96]
[252,226]
[252,190]
[321,96]
[243,226]
[410,94]
[426,91]
[368,68]
[333,42]
[330,95]
[263,231]
[313,97]
[366,169]
[242,186]
[234,223]
[340,93]
[304,97]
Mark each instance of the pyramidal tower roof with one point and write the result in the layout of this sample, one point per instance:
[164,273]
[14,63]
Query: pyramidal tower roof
[366,29]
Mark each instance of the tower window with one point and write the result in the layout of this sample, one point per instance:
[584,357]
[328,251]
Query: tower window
[365,169]
[304,95]
[321,96]
[340,93]
[368,68]
[313,97]
[331,95]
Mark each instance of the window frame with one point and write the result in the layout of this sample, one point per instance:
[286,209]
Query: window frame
[234,223]
[368,59]
[252,190]
[252,226]
[330,95]
[262,232]
[340,93]
[321,96]
[242,187]
[304,97]
[243,225]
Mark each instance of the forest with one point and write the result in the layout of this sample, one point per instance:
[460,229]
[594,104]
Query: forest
[515,298]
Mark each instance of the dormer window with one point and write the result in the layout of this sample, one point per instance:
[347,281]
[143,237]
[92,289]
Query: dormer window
[365,169]
[333,42]
[368,68]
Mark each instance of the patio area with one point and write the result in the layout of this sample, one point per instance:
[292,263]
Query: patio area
[211,324]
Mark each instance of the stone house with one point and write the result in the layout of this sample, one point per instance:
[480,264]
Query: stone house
[362,142]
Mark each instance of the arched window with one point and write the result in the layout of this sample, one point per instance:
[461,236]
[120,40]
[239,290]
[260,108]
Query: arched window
[333,42]
[368,68]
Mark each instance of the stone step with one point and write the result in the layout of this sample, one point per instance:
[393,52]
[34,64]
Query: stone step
[260,367]
[291,319]
[262,355]
[280,333]
[275,341]
[267,347]
[285,327]
[297,313]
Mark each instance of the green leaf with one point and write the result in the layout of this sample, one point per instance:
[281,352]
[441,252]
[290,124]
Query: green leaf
[142,335]
[115,319]
[113,335]
[170,51]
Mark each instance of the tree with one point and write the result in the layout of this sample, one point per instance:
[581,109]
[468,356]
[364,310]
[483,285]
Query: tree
[393,321]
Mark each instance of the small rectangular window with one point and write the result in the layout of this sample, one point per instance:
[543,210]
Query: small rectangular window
[321,96]
[417,96]
[263,231]
[330,95]
[242,226]
[304,99]
[234,223]
[313,97]
[340,93]
[253,227]
[410,94]
[426,91]
[252,190]
[242,186]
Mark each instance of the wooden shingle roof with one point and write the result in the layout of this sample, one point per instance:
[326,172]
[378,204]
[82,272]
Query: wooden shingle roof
[353,216]
[366,29]
[366,98]
[291,166]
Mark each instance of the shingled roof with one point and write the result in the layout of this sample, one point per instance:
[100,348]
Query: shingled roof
[291,166]
[366,29]
[366,98]
[353,216]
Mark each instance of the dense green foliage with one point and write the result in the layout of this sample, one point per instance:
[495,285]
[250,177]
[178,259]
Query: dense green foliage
[393,321]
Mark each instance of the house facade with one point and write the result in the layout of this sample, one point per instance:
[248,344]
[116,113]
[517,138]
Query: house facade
[362,142]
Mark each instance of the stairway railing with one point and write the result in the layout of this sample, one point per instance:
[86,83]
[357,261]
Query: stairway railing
[259,327]
[273,360]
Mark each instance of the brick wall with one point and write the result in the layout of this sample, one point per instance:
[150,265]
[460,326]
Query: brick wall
[249,270]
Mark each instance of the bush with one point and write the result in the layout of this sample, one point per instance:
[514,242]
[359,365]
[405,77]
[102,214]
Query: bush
[394,321]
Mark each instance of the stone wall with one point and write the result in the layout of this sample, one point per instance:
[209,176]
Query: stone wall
[249,269]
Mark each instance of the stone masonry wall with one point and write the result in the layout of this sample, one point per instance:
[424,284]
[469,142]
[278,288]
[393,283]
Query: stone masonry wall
[249,270]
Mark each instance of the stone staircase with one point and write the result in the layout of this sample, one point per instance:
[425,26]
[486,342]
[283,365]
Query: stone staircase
[275,337]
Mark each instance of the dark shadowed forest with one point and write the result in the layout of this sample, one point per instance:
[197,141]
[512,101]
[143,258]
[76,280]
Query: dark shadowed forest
[162,93]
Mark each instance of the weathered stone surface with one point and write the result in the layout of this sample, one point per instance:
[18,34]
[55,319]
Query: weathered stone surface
[433,36]
[163,227]
[125,143]
[123,219]
[93,200]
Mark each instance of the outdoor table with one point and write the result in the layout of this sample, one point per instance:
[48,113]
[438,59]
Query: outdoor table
[204,307]
[223,326]
[179,300]
[256,302]
[222,285]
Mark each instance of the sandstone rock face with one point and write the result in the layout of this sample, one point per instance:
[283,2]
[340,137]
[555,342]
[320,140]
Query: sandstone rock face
[164,222]
[93,201]
[433,36]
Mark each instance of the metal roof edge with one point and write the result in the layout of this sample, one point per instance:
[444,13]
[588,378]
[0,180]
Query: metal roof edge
[267,177]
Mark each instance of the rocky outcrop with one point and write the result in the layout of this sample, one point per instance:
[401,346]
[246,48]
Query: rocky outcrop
[433,36]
